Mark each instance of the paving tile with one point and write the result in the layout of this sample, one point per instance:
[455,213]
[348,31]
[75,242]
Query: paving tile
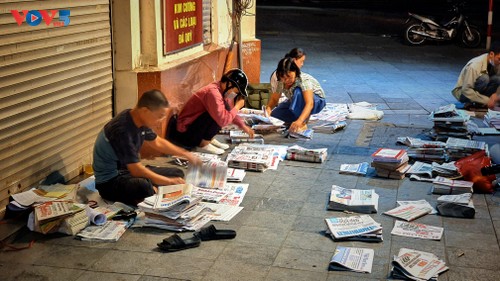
[126,262]
[285,206]
[178,267]
[250,253]
[303,259]
[289,193]
[476,225]
[478,241]
[286,274]
[309,241]
[261,236]
[270,220]
[71,257]
[310,224]
[37,272]
[154,278]
[92,276]
[471,274]
[236,270]
[472,258]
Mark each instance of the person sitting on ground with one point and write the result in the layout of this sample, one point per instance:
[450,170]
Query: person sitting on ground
[299,56]
[304,93]
[479,78]
[119,174]
[207,111]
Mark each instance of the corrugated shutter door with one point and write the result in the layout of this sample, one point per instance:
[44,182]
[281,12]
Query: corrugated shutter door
[55,91]
[207,21]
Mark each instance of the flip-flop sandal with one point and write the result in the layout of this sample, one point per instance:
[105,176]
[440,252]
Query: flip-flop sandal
[176,243]
[211,233]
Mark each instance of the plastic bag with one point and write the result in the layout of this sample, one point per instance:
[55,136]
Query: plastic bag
[470,168]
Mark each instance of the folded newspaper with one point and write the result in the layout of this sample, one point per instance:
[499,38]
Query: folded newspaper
[212,174]
[351,226]
[354,200]
[460,206]
[417,265]
[408,212]
[352,259]
[354,169]
[417,230]
[299,153]
[172,195]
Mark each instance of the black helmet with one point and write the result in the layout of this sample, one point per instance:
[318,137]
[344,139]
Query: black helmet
[239,80]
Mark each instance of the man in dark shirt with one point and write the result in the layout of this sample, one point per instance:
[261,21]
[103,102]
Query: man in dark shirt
[119,173]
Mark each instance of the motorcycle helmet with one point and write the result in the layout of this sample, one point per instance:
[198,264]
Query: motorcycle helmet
[238,79]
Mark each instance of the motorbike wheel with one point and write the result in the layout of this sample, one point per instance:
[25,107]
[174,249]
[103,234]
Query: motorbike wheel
[472,39]
[410,37]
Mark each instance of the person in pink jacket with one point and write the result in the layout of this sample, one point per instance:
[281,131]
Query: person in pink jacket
[207,111]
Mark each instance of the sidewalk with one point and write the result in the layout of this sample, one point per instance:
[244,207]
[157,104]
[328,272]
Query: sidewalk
[280,230]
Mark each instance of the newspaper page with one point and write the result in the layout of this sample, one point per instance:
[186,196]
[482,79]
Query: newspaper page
[354,169]
[363,199]
[423,203]
[418,264]
[417,230]
[53,210]
[235,193]
[453,183]
[341,227]
[209,194]
[171,195]
[352,259]
[29,197]
[111,231]
[408,212]
[420,168]
[463,198]
[223,212]
[212,174]
[235,175]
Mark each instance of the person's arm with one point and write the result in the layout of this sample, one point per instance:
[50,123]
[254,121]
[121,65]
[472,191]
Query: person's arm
[309,104]
[494,100]
[240,103]
[272,102]
[138,170]
[167,147]
[469,79]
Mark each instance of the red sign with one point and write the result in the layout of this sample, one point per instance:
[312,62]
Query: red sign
[183,24]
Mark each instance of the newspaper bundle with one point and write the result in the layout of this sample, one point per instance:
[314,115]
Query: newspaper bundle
[417,230]
[352,259]
[460,206]
[212,174]
[408,212]
[442,185]
[354,200]
[253,157]
[238,136]
[355,228]
[329,127]
[299,153]
[417,265]
[457,148]
[390,163]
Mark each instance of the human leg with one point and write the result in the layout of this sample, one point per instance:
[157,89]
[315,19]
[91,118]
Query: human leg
[283,112]
[126,189]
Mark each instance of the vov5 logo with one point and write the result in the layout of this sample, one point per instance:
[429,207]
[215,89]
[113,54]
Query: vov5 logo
[35,17]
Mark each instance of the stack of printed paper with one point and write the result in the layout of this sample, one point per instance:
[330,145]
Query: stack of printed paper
[298,153]
[352,259]
[411,264]
[354,200]
[359,227]
[390,163]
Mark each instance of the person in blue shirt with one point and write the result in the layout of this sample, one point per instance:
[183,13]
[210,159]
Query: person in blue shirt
[119,174]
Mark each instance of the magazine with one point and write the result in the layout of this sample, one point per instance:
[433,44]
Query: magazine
[417,265]
[417,230]
[354,169]
[408,212]
[342,227]
[354,200]
[172,195]
[352,259]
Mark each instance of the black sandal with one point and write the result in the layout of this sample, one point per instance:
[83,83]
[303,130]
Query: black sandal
[176,243]
[211,233]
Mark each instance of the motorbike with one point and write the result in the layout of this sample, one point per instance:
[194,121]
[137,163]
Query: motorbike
[419,29]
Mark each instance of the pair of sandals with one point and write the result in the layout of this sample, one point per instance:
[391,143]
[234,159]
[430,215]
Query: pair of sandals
[176,243]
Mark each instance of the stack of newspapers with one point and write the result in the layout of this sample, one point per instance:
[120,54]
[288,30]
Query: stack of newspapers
[449,122]
[238,136]
[299,153]
[417,230]
[174,208]
[459,206]
[253,157]
[354,169]
[442,185]
[390,163]
[459,148]
[492,119]
[411,264]
[211,174]
[424,150]
[353,200]
[354,228]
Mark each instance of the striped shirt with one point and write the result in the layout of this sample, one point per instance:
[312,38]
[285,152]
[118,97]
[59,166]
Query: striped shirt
[305,82]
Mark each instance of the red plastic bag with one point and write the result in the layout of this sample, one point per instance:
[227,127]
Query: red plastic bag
[470,168]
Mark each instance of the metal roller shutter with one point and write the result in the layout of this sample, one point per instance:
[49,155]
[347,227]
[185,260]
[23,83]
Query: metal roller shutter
[55,91]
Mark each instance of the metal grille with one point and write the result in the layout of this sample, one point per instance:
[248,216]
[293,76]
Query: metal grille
[55,91]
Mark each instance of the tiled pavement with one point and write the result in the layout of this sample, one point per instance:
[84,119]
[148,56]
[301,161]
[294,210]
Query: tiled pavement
[280,230]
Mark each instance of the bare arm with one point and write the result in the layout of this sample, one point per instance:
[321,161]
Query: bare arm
[140,171]
[493,101]
[309,104]
[167,147]
[273,101]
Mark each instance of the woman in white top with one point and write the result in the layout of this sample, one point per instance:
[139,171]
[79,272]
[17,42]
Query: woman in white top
[299,57]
